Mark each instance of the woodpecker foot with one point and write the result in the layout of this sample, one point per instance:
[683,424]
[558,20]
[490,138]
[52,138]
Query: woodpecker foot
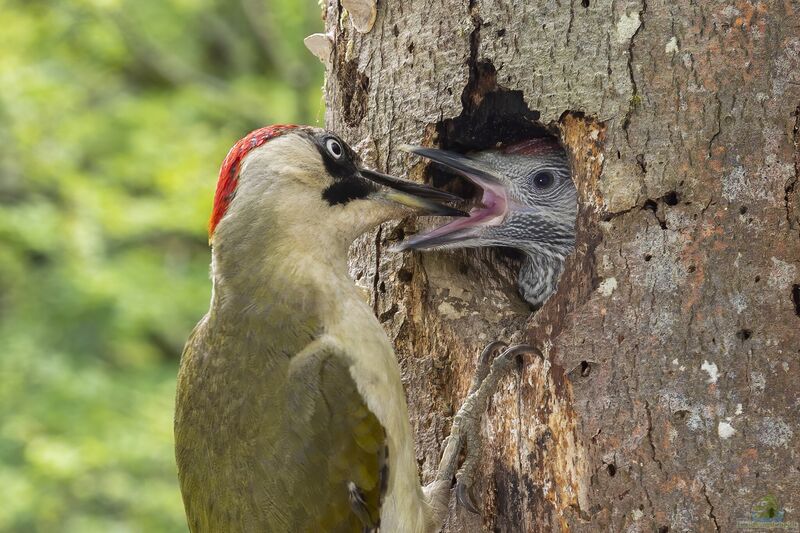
[492,365]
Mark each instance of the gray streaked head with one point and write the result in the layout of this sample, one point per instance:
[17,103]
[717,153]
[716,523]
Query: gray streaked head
[528,202]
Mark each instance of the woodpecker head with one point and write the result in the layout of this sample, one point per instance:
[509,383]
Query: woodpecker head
[283,187]
[527,201]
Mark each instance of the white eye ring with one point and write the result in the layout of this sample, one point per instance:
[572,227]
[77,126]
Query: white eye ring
[334,148]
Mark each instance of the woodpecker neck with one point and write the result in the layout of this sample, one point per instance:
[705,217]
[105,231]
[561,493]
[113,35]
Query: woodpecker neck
[538,277]
[267,270]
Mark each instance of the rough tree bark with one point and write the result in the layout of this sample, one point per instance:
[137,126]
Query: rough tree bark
[668,400]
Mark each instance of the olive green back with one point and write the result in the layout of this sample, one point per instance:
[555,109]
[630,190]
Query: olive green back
[269,440]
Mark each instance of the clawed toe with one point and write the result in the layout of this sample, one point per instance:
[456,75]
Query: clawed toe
[492,350]
[492,364]
[518,350]
[489,354]
[465,497]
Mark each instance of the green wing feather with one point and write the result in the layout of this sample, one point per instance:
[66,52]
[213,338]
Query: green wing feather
[344,459]
[277,443]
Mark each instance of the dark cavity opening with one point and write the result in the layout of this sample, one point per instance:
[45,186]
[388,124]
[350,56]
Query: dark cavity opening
[671,198]
[744,334]
[405,275]
[492,115]
[796,298]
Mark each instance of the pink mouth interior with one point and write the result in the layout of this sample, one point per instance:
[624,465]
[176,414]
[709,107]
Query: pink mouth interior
[493,209]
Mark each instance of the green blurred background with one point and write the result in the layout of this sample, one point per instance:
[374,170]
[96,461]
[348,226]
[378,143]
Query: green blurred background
[114,118]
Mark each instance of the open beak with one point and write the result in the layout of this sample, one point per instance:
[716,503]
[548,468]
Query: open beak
[417,196]
[492,211]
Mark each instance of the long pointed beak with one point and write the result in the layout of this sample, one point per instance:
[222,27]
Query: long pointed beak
[462,164]
[494,202]
[415,195]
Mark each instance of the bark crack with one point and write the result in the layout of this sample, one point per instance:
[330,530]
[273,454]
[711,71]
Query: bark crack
[650,436]
[710,508]
[377,276]
[571,18]
[789,189]
[474,37]
[635,97]
[650,204]
[719,125]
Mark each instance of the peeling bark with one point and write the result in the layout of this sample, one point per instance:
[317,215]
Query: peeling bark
[668,397]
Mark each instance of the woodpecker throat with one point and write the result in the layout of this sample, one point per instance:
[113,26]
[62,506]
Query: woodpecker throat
[527,201]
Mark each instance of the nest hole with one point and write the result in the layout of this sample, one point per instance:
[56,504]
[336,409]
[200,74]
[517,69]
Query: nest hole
[492,117]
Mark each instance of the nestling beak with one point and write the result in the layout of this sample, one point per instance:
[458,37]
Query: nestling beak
[492,211]
[421,198]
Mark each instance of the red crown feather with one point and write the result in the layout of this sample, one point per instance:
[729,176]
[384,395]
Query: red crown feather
[229,171]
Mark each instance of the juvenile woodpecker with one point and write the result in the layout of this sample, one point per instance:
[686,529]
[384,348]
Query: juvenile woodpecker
[528,202]
[290,413]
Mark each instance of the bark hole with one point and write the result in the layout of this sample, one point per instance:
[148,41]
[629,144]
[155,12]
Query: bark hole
[671,198]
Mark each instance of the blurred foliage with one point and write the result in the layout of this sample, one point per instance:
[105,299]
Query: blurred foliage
[114,118]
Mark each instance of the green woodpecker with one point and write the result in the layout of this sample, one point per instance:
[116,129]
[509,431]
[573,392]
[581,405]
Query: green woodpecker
[290,412]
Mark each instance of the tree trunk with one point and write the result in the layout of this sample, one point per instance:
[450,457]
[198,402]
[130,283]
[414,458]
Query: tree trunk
[668,397]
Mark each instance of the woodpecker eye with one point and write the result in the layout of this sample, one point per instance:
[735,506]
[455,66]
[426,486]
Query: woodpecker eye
[334,148]
[544,180]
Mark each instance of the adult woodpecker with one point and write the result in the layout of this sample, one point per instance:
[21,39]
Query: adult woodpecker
[290,413]
[528,202]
